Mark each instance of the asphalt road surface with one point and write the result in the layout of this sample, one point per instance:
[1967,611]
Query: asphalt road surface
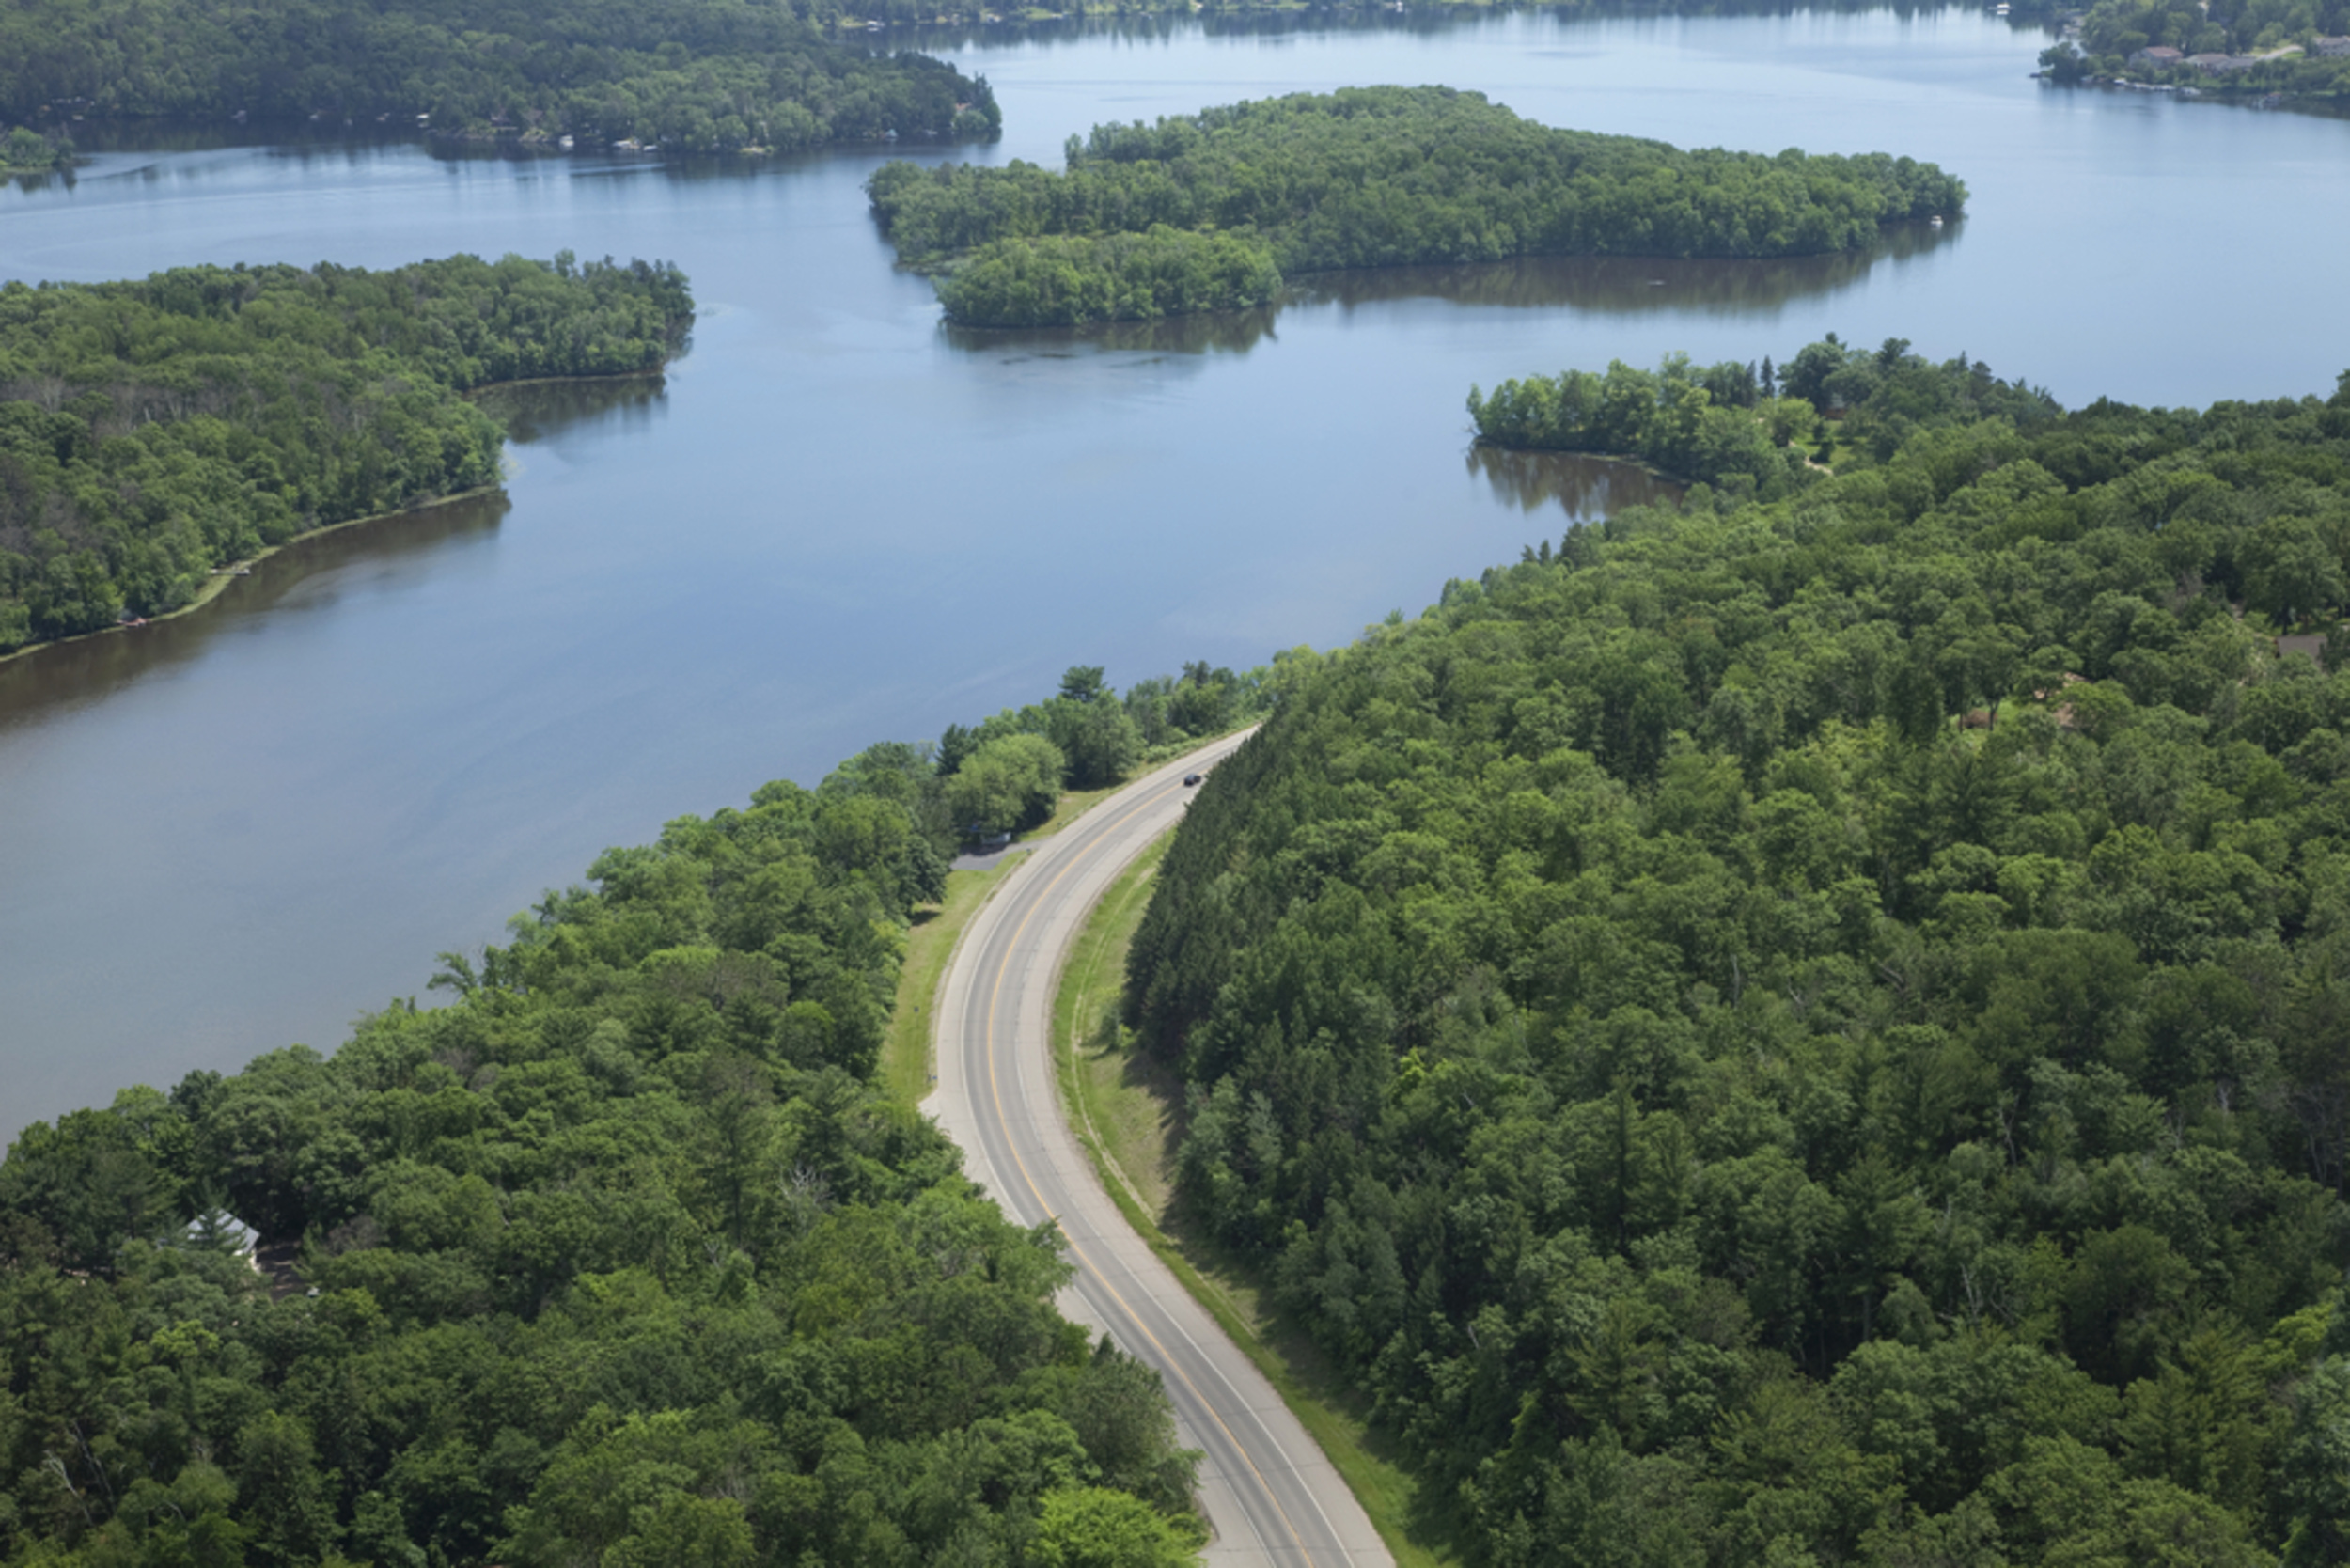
[1271,1495]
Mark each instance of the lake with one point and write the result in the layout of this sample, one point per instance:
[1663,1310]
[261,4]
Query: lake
[836,522]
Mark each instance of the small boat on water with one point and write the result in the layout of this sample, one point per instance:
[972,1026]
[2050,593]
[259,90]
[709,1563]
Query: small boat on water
[1935,222]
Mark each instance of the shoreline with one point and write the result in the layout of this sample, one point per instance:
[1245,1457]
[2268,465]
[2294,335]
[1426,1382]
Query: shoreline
[659,370]
[217,581]
[1622,459]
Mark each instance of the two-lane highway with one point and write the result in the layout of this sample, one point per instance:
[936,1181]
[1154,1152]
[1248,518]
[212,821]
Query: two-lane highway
[1271,1495]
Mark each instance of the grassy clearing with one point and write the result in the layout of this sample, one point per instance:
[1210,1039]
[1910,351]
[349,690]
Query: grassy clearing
[1124,1105]
[1127,1111]
[906,1054]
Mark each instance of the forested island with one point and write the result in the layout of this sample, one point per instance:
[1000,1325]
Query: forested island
[622,1257]
[1212,210]
[1810,1030]
[688,75]
[153,432]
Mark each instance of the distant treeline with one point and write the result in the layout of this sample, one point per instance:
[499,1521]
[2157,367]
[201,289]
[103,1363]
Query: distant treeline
[1229,17]
[2256,35]
[1212,210]
[152,431]
[700,75]
[1811,1031]
[620,1258]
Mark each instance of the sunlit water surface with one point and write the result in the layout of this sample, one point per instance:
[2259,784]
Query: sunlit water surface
[836,521]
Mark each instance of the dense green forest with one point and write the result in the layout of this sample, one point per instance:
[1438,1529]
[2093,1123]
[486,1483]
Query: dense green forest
[1211,210]
[151,431]
[696,75]
[1755,433]
[620,1258]
[1004,774]
[1810,1030]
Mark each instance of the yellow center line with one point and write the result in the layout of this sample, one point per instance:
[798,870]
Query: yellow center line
[995,1089]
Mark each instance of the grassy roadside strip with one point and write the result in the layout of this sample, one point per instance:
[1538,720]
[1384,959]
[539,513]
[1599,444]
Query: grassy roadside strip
[906,1052]
[1122,1116]
[906,1066]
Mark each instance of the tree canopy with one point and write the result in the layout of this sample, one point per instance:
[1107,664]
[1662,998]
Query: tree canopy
[1756,434]
[2266,42]
[1211,210]
[694,75]
[1005,773]
[1809,1031]
[152,431]
[619,1258]
[25,150]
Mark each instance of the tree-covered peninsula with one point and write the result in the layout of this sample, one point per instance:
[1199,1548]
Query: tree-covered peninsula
[1758,434]
[151,432]
[1212,210]
[24,150]
[691,75]
[620,1258]
[1811,1031]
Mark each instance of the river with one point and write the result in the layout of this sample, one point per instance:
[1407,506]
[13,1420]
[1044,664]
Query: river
[835,521]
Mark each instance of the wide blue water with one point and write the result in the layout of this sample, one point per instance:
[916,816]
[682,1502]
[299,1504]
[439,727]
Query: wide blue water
[837,521]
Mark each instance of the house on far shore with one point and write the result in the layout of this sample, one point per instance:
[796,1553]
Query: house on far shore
[2311,645]
[2220,65]
[2330,46]
[2160,57]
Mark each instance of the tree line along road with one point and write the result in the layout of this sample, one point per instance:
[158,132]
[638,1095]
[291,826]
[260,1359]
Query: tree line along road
[1271,1495]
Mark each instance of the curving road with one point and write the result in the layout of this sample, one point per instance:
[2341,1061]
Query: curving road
[1270,1493]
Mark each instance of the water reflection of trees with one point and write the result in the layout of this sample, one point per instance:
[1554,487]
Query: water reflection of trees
[292,138]
[538,410]
[92,666]
[1585,488]
[1622,285]
[1604,285]
[530,411]
[1417,21]
[1218,332]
